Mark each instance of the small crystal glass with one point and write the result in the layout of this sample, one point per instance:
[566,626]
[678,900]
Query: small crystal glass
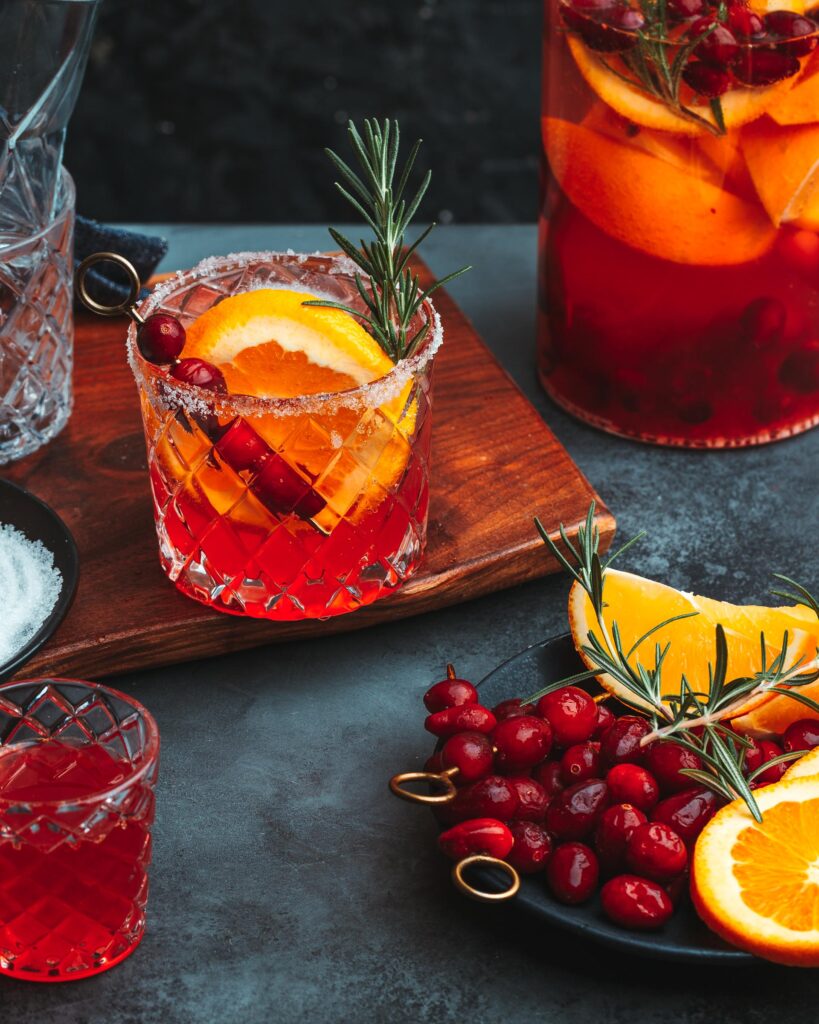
[37,331]
[286,508]
[78,767]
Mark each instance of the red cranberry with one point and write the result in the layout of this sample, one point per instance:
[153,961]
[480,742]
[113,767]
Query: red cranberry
[463,718]
[682,10]
[719,47]
[631,784]
[532,848]
[512,709]
[613,833]
[758,66]
[450,693]
[521,742]
[622,741]
[776,771]
[479,835]
[687,813]
[801,735]
[763,322]
[532,798]
[753,755]
[574,813]
[799,249]
[706,79]
[241,447]
[199,373]
[470,752]
[744,23]
[795,33]
[605,719]
[800,370]
[550,776]
[665,761]
[572,873]
[161,338]
[572,714]
[636,903]
[493,796]
[581,761]
[282,490]
[656,851]
[608,28]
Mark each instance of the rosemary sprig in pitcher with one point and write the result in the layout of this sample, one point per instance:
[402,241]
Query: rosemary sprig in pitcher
[392,293]
[695,718]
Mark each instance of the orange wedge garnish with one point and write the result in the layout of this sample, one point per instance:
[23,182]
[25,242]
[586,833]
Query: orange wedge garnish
[784,165]
[636,604]
[757,884]
[267,343]
[805,767]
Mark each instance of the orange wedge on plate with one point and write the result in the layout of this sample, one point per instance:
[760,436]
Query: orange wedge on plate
[636,604]
[805,767]
[651,204]
[784,165]
[757,884]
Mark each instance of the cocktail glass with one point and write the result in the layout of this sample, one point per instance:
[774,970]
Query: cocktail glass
[78,767]
[679,263]
[286,508]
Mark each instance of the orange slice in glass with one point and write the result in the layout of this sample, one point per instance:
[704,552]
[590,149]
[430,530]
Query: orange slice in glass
[268,344]
[636,604]
[784,164]
[801,104]
[805,767]
[757,884]
[652,204]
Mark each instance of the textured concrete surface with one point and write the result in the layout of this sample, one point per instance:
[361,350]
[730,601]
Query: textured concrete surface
[288,886]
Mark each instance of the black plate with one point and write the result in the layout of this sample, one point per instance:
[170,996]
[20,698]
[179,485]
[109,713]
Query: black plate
[32,517]
[685,938]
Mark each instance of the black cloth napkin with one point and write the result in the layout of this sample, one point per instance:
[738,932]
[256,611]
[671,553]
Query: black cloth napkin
[106,284]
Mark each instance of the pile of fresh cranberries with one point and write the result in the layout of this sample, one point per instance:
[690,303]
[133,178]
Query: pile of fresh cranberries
[566,788]
[279,487]
[739,47]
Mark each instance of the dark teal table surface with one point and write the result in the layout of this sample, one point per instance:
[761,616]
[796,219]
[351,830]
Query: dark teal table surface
[287,885]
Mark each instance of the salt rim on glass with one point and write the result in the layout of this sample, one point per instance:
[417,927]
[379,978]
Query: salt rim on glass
[195,400]
[31,585]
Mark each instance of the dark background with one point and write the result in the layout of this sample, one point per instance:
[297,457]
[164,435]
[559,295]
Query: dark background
[218,110]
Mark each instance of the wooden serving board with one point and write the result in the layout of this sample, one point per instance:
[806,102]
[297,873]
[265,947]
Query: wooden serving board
[495,465]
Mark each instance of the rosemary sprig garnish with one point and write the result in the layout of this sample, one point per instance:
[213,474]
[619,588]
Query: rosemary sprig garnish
[392,294]
[695,718]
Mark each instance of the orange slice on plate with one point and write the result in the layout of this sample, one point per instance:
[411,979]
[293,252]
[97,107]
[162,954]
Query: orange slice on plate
[739,106]
[636,604]
[651,204]
[268,344]
[757,884]
[805,767]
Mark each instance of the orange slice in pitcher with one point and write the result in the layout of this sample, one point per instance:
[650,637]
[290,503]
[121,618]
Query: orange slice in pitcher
[651,204]
[784,164]
[801,104]
[756,884]
[268,344]
[805,767]
[739,106]
[637,604]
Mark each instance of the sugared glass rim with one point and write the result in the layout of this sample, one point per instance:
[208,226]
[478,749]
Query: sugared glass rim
[195,399]
[67,194]
[150,753]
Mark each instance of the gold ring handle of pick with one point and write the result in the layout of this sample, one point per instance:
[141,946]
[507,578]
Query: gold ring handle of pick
[128,304]
[482,895]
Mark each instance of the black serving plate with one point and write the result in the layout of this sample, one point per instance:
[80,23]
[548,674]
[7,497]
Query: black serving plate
[684,938]
[32,517]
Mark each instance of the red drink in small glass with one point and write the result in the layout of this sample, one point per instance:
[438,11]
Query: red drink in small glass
[679,258]
[78,766]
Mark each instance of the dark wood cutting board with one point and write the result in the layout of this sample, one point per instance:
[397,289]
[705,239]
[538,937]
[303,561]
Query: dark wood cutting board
[495,465]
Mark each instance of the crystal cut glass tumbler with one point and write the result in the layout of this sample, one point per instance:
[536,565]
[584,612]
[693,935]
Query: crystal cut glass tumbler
[78,767]
[286,508]
[36,332]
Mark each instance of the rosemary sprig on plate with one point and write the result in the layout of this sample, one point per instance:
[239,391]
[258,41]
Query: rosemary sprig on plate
[694,718]
[392,293]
